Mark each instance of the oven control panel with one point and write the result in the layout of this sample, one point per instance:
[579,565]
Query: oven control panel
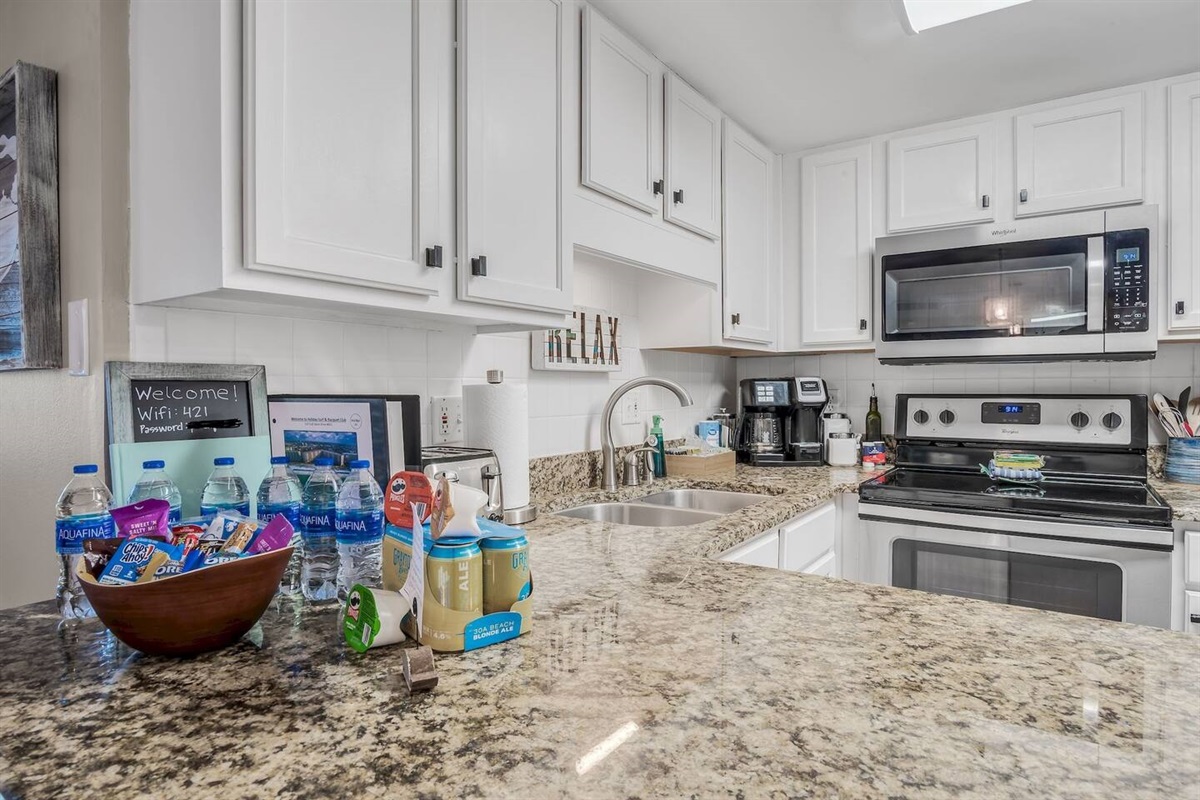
[1109,420]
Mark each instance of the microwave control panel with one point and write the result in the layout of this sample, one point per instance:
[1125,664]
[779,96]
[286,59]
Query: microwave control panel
[1127,288]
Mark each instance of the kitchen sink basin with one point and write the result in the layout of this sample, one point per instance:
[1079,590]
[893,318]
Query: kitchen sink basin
[710,500]
[640,514]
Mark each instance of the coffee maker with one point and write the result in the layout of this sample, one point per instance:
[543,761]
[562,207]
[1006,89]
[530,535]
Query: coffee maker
[779,425]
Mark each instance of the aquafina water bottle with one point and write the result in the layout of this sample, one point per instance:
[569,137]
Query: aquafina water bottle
[225,490]
[156,484]
[319,567]
[359,526]
[279,496]
[82,514]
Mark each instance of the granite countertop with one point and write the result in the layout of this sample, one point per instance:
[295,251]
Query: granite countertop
[652,670]
[1183,498]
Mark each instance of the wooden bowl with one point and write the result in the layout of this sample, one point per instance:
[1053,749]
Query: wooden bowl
[193,612]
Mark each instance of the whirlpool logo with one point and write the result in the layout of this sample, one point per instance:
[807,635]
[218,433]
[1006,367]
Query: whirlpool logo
[1003,231]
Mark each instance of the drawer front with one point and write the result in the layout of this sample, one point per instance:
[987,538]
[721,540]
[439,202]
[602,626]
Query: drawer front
[804,539]
[1191,557]
[762,551]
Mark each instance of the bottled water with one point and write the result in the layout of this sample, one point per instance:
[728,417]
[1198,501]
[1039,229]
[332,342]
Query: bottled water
[156,484]
[319,565]
[359,525]
[279,495]
[82,514]
[225,490]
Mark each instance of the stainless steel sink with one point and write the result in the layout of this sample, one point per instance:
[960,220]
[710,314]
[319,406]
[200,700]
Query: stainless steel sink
[640,514]
[710,500]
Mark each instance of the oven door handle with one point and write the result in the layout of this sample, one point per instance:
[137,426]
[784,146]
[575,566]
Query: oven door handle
[1131,536]
[1095,284]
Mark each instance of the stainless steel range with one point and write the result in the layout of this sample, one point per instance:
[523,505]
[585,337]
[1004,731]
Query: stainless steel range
[1093,538]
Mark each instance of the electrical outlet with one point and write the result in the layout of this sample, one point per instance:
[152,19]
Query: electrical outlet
[446,418]
[631,407]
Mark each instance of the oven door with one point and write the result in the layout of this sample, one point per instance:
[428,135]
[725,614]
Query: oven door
[1092,571]
[1044,296]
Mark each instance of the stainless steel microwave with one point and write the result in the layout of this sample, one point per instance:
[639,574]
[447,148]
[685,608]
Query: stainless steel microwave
[1068,287]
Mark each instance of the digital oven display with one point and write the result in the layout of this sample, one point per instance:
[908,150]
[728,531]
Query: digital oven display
[1012,413]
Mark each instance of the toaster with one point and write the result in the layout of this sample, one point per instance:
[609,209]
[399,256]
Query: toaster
[472,466]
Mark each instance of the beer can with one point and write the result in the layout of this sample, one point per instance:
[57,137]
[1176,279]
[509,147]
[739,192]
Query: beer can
[505,572]
[454,576]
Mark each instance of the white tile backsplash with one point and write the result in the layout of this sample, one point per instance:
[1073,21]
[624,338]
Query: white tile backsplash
[303,355]
[850,376]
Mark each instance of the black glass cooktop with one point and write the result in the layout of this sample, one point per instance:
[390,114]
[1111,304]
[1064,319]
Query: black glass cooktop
[1091,500]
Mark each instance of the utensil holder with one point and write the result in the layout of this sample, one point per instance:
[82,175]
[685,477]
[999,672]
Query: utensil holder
[1183,460]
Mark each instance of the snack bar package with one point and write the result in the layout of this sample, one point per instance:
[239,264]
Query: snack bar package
[138,561]
[147,518]
[234,531]
[275,535]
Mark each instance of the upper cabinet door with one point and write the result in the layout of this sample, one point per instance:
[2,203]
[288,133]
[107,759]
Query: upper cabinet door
[510,180]
[341,183]
[1080,156]
[749,251]
[945,177]
[693,134]
[1184,211]
[622,116]
[835,246]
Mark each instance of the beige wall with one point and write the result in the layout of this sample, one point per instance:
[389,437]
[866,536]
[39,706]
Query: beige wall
[50,420]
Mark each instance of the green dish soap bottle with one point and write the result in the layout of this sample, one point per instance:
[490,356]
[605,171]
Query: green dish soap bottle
[660,448]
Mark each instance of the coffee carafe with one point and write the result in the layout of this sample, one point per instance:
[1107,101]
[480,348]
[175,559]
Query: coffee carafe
[779,423]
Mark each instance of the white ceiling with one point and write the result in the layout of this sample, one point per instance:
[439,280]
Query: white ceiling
[802,73]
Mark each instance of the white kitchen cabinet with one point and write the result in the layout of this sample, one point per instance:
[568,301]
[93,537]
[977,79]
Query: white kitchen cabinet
[622,107]
[942,177]
[343,175]
[693,159]
[748,241]
[511,82]
[1080,156]
[762,551]
[1191,612]
[1183,213]
[807,538]
[825,566]
[835,246]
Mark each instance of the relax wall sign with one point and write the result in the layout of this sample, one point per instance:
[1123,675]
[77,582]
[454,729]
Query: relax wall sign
[591,344]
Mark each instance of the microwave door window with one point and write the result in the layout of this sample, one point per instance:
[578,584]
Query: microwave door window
[1026,289]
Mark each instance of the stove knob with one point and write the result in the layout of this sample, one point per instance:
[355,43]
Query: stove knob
[947,417]
[1080,420]
[1111,421]
[921,416]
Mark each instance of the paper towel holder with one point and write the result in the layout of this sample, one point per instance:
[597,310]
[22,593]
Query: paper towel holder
[494,485]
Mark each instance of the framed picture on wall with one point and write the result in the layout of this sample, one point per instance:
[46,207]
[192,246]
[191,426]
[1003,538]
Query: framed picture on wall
[30,322]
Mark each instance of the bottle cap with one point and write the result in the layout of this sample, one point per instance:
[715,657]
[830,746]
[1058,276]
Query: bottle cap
[153,464]
[85,469]
[224,461]
[323,461]
[360,464]
[279,459]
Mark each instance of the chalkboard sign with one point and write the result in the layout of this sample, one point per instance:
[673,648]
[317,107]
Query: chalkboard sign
[174,410]
[152,402]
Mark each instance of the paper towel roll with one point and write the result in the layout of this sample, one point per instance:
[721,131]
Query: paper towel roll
[496,416]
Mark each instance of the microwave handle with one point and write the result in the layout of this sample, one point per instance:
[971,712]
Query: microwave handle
[1095,284]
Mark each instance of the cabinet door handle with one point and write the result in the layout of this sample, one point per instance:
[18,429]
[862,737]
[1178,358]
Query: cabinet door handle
[1024,195]
[987,201]
[479,267]
[736,319]
[1195,618]
[862,324]
[678,196]
[658,187]
[433,256]
[1179,307]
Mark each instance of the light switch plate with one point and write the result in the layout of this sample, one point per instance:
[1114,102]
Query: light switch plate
[446,418]
[78,352]
[631,407]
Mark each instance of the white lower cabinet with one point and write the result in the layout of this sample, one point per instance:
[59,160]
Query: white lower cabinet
[806,543]
[761,551]
[1191,612]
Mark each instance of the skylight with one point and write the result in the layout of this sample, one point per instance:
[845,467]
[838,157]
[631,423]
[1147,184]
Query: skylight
[920,15]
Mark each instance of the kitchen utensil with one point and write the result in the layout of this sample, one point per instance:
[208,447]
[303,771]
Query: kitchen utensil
[1168,416]
[1183,401]
[192,612]
[1193,413]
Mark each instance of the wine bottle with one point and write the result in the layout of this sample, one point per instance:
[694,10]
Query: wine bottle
[874,427]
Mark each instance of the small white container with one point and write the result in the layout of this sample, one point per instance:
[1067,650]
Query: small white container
[842,450]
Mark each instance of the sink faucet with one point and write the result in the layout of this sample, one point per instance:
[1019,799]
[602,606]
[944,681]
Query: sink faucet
[608,471]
